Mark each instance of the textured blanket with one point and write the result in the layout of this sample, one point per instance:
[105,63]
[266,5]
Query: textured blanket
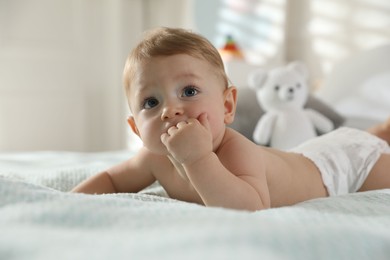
[39,219]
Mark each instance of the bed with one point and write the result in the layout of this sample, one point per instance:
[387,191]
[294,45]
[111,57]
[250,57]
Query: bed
[40,219]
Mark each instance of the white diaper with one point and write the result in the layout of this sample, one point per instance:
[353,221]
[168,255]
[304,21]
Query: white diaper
[344,157]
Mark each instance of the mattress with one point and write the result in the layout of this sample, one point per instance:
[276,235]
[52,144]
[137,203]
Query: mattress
[40,219]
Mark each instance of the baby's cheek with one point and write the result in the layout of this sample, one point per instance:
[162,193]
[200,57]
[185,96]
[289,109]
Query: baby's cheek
[147,132]
[151,138]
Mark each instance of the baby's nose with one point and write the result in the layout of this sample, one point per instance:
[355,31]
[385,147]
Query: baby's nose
[171,110]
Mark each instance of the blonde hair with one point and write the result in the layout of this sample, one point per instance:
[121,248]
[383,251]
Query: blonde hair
[170,41]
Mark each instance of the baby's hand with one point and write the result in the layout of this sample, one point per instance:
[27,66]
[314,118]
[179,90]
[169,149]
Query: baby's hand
[189,140]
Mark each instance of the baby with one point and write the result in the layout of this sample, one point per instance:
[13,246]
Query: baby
[181,102]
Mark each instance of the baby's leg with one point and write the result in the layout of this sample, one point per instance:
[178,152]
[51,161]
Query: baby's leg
[379,177]
[382,130]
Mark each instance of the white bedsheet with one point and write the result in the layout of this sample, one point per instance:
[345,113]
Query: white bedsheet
[40,220]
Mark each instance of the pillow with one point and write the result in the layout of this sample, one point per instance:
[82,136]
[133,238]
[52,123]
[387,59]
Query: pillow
[249,112]
[377,89]
[369,101]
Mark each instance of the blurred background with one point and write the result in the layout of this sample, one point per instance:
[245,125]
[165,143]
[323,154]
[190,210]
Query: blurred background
[61,61]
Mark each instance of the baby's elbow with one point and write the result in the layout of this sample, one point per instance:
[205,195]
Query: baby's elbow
[257,206]
[261,207]
[259,202]
[253,208]
[262,203]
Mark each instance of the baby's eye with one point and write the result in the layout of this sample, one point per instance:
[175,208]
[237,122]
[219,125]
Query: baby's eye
[189,91]
[150,103]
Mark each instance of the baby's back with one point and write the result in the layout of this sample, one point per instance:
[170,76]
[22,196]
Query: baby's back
[291,177]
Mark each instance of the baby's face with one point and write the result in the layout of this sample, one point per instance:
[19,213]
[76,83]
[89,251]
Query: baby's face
[170,89]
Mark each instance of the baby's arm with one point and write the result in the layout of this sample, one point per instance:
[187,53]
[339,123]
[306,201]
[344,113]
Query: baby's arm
[97,184]
[129,176]
[218,186]
[190,143]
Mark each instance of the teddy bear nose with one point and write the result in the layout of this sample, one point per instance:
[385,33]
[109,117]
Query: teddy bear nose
[291,90]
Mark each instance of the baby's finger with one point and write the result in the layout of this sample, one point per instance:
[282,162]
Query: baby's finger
[181,124]
[172,130]
[164,137]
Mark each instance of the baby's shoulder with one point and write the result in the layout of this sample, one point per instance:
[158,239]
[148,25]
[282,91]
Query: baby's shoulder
[233,138]
[235,144]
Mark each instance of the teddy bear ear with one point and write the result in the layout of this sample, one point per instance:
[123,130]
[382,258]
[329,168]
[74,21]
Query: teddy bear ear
[299,67]
[257,78]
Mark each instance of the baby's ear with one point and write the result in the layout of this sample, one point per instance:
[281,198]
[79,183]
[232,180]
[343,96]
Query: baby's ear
[257,78]
[230,97]
[133,126]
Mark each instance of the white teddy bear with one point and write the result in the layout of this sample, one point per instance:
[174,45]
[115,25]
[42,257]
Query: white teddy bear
[282,93]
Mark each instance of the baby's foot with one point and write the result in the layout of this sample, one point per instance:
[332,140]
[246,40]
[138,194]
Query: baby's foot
[381,130]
